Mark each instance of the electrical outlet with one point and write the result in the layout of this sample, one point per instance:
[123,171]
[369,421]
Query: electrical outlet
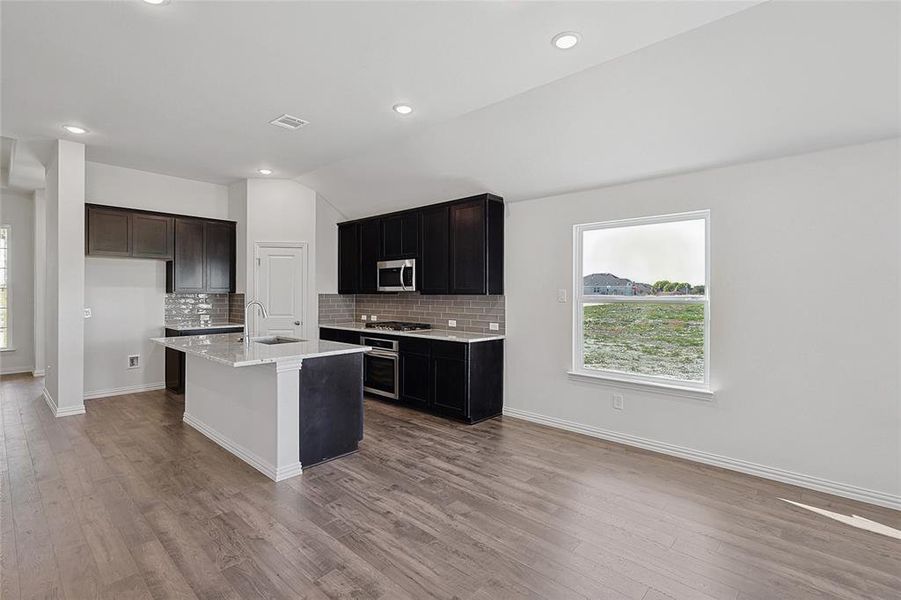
[618,401]
[134,361]
[87,313]
[451,323]
[363,317]
[493,326]
[561,295]
[374,318]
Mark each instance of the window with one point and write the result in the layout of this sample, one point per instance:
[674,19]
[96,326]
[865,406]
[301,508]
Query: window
[641,300]
[4,289]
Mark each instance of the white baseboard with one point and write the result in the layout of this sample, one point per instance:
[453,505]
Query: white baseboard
[128,389]
[263,466]
[799,479]
[15,370]
[38,373]
[61,412]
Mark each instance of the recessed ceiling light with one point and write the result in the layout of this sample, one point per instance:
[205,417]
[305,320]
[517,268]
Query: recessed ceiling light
[75,129]
[402,109]
[264,171]
[566,40]
[157,2]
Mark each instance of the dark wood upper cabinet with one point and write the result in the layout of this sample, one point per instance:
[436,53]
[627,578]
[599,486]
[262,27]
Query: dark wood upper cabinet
[434,254]
[459,247]
[219,257]
[370,249]
[200,254]
[468,267]
[476,246]
[187,268]
[348,258]
[108,232]
[400,236]
[152,236]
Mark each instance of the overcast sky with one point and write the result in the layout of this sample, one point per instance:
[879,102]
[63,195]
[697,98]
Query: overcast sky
[647,253]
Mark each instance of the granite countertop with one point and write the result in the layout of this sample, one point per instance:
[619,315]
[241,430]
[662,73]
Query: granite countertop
[228,349]
[432,334]
[190,326]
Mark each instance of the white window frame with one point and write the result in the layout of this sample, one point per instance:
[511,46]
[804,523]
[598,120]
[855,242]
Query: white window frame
[9,322]
[702,388]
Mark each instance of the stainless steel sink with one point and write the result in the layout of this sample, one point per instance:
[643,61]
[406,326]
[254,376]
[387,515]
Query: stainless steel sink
[272,340]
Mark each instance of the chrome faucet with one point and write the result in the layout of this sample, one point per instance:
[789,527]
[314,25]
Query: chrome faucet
[263,312]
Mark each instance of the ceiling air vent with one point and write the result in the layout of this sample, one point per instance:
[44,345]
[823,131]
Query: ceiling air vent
[288,122]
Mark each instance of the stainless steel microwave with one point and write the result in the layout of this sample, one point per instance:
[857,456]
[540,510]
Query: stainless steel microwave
[397,275]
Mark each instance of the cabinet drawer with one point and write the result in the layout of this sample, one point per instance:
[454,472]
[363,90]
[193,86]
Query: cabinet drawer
[454,350]
[339,335]
[413,345]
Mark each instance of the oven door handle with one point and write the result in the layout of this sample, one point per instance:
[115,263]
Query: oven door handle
[390,355]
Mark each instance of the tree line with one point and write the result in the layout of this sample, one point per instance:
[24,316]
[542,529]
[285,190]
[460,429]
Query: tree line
[677,287]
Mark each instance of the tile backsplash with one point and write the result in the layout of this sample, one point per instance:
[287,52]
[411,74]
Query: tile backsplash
[336,308]
[196,308]
[236,308]
[472,313]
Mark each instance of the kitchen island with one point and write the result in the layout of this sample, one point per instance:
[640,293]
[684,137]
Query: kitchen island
[278,404]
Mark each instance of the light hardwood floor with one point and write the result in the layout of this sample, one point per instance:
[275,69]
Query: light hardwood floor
[127,502]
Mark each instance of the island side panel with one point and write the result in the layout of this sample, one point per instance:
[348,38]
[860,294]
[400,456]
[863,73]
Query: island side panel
[331,407]
[237,408]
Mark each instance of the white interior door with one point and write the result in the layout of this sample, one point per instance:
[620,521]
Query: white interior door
[281,279]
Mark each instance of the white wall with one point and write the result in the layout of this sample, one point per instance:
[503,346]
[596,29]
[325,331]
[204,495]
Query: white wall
[119,186]
[281,210]
[17,211]
[40,281]
[237,211]
[64,382]
[804,327]
[327,219]
[127,297]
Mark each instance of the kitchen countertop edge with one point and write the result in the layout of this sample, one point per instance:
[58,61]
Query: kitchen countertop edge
[224,356]
[429,334]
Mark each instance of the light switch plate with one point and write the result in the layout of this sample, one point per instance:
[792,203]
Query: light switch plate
[374,318]
[87,313]
[561,295]
[363,317]
[493,326]
[451,323]
[618,401]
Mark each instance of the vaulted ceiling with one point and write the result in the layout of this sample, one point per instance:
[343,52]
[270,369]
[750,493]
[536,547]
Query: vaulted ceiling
[187,89]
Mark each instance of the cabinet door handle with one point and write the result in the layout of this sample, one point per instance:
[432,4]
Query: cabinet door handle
[297,322]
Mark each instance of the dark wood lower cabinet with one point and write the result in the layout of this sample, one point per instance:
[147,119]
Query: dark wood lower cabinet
[463,381]
[175,360]
[449,386]
[414,378]
[331,407]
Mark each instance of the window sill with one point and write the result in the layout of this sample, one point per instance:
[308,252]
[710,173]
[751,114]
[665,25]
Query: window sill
[10,349]
[644,386]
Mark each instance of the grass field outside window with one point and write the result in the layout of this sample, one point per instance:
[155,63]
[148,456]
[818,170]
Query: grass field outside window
[641,293]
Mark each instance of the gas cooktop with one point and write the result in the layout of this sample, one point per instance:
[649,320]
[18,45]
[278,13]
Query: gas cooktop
[397,325]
